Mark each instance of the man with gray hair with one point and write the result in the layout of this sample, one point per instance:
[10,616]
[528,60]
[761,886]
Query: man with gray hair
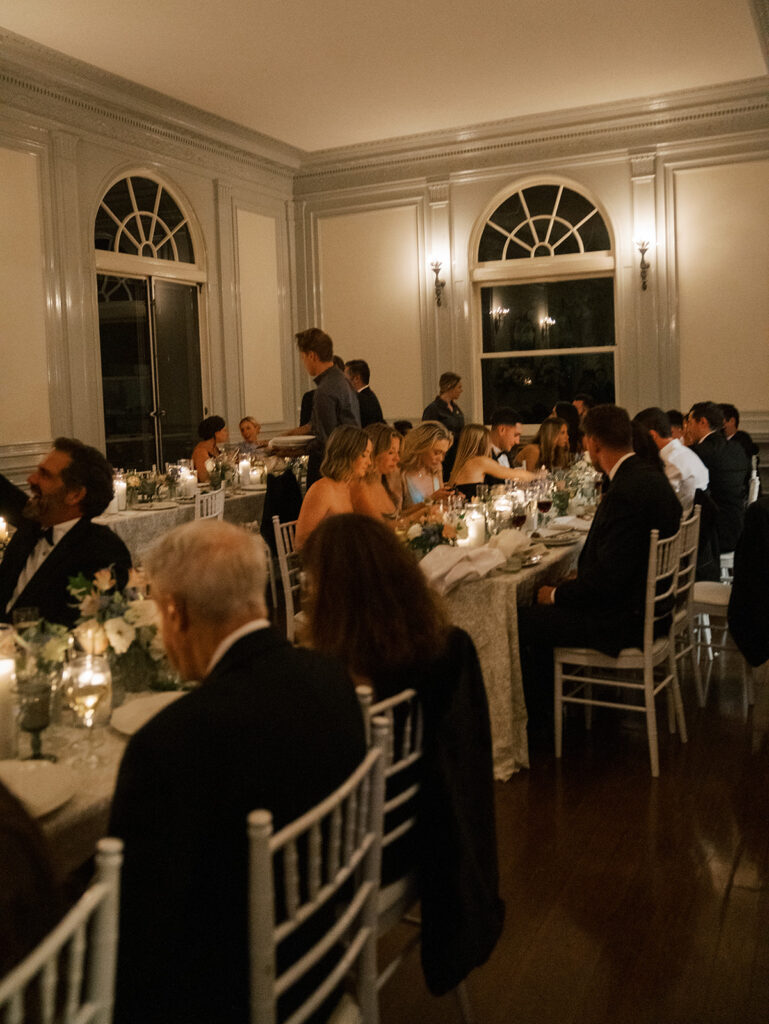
[270,726]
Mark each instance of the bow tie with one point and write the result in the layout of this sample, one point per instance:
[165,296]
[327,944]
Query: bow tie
[48,535]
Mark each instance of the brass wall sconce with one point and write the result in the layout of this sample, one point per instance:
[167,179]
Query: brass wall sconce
[435,266]
[498,314]
[642,248]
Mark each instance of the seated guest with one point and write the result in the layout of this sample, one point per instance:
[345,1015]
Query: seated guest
[375,494]
[676,418]
[566,411]
[734,435]
[212,432]
[582,402]
[369,605]
[728,469]
[271,726]
[422,455]
[549,449]
[644,446]
[358,373]
[444,409]
[686,472]
[403,426]
[56,537]
[505,435]
[603,606]
[474,462]
[249,431]
[347,459]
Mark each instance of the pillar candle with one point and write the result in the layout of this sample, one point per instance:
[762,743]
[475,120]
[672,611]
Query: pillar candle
[120,494]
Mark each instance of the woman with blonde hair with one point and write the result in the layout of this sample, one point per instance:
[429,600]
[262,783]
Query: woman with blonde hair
[375,494]
[550,447]
[347,459]
[474,462]
[424,449]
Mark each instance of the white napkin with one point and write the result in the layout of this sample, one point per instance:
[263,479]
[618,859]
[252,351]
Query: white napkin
[445,567]
[509,542]
[573,523]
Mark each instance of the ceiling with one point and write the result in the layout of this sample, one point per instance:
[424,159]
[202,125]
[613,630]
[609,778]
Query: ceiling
[320,74]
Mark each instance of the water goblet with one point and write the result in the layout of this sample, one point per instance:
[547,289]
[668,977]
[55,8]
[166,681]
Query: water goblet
[87,686]
[24,618]
[35,713]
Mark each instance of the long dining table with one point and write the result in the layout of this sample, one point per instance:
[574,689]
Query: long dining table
[487,609]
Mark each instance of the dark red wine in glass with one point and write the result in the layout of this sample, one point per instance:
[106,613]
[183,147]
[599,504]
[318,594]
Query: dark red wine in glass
[519,518]
[544,505]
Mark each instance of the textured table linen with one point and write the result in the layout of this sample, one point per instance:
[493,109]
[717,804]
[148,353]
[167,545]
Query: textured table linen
[487,609]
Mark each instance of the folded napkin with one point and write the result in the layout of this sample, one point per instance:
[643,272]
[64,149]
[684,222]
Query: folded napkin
[509,542]
[445,567]
[573,523]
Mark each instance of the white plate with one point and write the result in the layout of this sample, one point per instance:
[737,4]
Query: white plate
[132,715]
[40,785]
[562,541]
[291,440]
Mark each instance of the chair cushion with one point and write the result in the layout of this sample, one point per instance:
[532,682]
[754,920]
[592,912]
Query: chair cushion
[707,592]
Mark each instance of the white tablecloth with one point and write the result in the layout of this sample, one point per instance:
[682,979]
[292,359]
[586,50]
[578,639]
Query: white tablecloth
[487,610]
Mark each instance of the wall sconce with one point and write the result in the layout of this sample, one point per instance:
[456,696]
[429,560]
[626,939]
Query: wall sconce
[435,266]
[545,323]
[642,247]
[498,314]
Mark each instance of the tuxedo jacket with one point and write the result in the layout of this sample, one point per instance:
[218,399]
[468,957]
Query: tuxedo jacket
[370,409]
[12,501]
[272,727]
[86,548]
[611,576]
[729,470]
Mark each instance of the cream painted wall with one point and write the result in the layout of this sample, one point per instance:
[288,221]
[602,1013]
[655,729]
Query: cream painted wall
[22,301]
[722,269]
[369,288]
[259,317]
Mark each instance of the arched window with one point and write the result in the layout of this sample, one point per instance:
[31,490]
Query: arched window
[148,284]
[544,273]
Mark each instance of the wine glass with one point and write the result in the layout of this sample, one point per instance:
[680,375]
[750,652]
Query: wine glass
[519,512]
[35,713]
[87,685]
[544,498]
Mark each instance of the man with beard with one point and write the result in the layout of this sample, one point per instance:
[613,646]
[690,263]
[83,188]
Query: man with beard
[55,538]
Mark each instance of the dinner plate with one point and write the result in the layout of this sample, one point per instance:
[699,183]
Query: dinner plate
[132,715]
[40,785]
[562,540]
[291,440]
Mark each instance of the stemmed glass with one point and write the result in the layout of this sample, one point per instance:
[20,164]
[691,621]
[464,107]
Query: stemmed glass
[544,498]
[87,687]
[35,713]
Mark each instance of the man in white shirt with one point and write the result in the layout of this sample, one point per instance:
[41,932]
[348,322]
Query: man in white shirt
[686,471]
[505,435]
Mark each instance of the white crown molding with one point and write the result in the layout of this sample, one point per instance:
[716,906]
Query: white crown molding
[48,84]
[636,125]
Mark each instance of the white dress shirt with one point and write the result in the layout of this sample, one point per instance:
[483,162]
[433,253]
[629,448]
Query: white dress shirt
[500,456]
[685,470]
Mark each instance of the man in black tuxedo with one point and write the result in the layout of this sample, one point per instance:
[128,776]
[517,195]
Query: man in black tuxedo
[728,469]
[55,537]
[358,373]
[602,606]
[271,726]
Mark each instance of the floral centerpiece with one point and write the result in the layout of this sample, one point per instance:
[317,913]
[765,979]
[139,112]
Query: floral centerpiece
[428,532]
[220,471]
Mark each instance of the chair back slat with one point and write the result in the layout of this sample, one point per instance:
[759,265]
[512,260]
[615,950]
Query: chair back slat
[291,880]
[661,582]
[290,570]
[342,834]
[86,938]
[210,505]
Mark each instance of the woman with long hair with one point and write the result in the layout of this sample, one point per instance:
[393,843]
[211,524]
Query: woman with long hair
[347,459]
[422,455]
[375,495]
[566,411]
[212,432]
[474,462]
[550,447]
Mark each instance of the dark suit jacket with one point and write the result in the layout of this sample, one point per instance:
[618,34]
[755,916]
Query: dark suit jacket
[370,409]
[272,727]
[86,548]
[611,576]
[729,471]
[749,602]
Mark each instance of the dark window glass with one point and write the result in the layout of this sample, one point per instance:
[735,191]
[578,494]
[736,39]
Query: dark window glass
[540,199]
[549,314]
[533,384]
[147,202]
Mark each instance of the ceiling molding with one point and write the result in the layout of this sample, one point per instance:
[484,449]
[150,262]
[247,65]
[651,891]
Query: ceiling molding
[47,83]
[760,9]
[717,110]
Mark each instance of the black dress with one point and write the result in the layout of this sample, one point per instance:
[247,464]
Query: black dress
[453,419]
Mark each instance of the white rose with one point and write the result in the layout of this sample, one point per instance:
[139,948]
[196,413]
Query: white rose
[142,613]
[210,465]
[120,634]
[415,530]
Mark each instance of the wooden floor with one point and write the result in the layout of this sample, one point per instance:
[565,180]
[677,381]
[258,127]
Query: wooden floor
[629,899]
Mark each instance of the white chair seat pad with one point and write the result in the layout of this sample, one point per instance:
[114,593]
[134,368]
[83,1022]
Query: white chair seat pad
[629,657]
[709,592]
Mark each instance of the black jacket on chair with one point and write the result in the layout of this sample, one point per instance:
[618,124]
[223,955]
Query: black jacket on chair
[749,603]
[729,470]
